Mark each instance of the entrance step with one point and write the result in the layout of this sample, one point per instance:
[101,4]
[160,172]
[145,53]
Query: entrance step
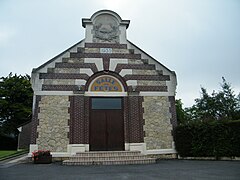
[108,158]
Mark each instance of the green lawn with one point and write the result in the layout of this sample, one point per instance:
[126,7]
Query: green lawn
[7,154]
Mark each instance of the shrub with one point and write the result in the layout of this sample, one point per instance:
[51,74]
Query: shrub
[208,139]
[8,143]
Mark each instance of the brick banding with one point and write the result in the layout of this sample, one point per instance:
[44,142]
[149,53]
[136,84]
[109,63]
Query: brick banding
[149,88]
[106,45]
[63,76]
[147,77]
[60,87]
[126,119]
[106,62]
[77,123]
[135,119]
[86,119]
[92,66]
[119,67]
[99,55]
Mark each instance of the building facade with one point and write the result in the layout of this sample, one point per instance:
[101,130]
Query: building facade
[103,93]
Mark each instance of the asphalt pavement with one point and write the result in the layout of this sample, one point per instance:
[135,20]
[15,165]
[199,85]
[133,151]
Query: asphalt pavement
[164,169]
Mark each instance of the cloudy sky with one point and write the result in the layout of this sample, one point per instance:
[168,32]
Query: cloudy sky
[198,39]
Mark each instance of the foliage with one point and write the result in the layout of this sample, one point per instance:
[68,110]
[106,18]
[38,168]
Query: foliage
[8,143]
[208,139]
[222,105]
[181,115]
[15,103]
[183,140]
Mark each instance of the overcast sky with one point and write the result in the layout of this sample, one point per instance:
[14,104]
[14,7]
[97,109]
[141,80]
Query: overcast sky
[198,39]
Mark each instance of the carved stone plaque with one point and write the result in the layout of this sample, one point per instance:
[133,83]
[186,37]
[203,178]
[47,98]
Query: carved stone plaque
[106,29]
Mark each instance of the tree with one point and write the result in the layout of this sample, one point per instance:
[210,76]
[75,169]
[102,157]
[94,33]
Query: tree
[180,111]
[228,102]
[15,102]
[222,105]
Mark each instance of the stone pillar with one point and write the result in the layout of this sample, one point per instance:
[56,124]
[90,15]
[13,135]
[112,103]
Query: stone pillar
[158,127]
[53,123]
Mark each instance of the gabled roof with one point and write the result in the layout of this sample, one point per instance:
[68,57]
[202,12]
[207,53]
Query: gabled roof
[132,44]
[150,57]
[54,58]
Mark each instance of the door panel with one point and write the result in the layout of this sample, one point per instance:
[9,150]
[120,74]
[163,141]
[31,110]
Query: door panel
[115,138]
[106,130]
[98,141]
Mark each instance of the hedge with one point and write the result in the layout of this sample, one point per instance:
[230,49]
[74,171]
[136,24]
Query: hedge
[8,143]
[208,139]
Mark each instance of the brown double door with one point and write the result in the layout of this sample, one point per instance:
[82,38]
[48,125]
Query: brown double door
[106,124]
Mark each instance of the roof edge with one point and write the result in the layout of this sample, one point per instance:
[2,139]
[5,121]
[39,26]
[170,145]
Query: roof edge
[173,72]
[51,60]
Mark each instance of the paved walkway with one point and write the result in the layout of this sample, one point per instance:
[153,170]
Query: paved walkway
[164,169]
[13,161]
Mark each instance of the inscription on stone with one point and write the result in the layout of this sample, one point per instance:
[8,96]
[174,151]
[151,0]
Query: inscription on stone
[106,84]
[106,50]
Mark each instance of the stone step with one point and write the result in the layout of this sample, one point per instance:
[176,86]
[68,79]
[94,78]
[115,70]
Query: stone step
[111,162]
[107,158]
[107,153]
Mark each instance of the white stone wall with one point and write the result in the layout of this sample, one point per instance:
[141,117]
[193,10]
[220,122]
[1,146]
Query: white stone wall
[53,123]
[157,123]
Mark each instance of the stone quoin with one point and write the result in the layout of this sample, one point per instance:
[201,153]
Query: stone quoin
[103,94]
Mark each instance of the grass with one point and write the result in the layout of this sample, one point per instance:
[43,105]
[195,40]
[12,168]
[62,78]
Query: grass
[11,153]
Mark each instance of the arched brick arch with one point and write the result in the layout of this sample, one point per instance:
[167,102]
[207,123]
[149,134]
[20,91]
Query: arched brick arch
[110,73]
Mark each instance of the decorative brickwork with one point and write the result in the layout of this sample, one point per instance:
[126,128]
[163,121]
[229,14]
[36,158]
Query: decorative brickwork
[60,87]
[135,119]
[92,66]
[119,67]
[35,120]
[126,119]
[99,55]
[63,76]
[149,88]
[147,77]
[86,118]
[72,60]
[106,45]
[144,72]
[77,120]
[151,83]
[106,61]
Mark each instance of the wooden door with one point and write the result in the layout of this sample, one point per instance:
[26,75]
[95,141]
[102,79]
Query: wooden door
[98,141]
[115,132]
[106,128]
